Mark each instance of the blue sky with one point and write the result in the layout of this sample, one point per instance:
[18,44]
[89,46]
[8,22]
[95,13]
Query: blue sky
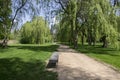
[26,15]
[41,12]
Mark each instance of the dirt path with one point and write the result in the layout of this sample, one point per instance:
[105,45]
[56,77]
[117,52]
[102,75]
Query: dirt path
[74,66]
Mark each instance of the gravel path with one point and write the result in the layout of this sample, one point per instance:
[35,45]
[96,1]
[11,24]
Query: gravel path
[74,66]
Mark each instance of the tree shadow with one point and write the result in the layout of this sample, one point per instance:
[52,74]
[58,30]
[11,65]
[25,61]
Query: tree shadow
[16,69]
[48,48]
[69,73]
[2,50]
[97,50]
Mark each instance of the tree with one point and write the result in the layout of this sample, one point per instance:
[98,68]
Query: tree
[90,19]
[17,8]
[5,21]
[35,32]
[70,11]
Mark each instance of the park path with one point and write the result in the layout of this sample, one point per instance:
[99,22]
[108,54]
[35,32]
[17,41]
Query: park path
[74,66]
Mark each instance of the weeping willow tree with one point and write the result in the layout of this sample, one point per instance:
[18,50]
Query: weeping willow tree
[68,22]
[91,20]
[106,26]
[35,32]
[63,34]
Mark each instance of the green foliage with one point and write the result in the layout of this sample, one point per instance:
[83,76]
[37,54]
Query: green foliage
[67,30]
[36,31]
[106,24]
[118,23]
[63,31]
[5,21]
[89,20]
[118,26]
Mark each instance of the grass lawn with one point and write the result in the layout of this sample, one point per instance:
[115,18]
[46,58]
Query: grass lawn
[26,62]
[108,55]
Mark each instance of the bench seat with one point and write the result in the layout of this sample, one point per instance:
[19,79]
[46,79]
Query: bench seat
[53,59]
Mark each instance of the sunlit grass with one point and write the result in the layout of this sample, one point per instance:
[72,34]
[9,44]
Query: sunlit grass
[108,55]
[26,62]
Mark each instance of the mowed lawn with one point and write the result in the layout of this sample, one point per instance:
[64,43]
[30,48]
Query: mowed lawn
[26,62]
[107,55]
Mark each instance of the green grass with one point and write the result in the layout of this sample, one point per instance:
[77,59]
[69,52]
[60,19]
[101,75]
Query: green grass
[107,55]
[26,62]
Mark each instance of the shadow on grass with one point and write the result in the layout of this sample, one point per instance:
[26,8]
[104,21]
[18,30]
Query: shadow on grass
[16,69]
[48,48]
[97,50]
[2,50]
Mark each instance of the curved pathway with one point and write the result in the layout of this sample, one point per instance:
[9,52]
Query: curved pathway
[74,66]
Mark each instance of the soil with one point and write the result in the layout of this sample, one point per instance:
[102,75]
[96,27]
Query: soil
[77,66]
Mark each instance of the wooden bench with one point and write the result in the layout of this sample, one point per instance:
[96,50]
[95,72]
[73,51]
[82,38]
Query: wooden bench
[53,60]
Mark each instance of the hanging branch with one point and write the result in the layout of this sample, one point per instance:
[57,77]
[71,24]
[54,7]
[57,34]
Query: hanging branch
[4,43]
[23,4]
[115,2]
[58,1]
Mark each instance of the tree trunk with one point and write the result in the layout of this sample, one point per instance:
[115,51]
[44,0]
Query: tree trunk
[105,42]
[89,40]
[72,33]
[76,35]
[4,43]
[94,41]
[89,37]
[82,39]
[75,40]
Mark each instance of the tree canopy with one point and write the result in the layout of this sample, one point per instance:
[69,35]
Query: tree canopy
[5,11]
[82,21]
[35,32]
[89,20]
